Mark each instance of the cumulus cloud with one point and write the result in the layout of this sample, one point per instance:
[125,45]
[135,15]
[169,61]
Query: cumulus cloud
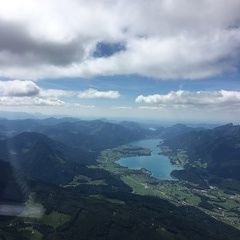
[172,58]
[192,99]
[94,93]
[161,38]
[19,48]
[17,88]
[16,93]
[27,93]
[30,101]
[56,93]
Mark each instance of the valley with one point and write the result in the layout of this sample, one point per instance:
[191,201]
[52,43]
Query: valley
[220,204]
[68,180]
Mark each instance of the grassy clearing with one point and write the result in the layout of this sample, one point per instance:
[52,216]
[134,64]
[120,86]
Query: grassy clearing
[81,179]
[30,233]
[55,219]
[174,192]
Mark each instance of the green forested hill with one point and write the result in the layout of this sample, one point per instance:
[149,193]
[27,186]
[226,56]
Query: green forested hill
[218,148]
[112,215]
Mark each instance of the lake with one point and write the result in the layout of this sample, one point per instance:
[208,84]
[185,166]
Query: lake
[159,165]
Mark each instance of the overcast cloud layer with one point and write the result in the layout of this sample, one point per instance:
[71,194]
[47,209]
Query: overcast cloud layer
[164,39]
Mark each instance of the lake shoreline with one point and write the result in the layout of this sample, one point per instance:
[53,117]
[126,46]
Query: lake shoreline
[158,163]
[180,192]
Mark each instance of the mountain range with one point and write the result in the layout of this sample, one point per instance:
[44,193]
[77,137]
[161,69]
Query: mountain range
[41,158]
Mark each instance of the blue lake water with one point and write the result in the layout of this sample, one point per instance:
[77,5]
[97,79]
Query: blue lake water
[159,165]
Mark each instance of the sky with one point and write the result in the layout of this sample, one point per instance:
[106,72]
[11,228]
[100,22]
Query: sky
[167,60]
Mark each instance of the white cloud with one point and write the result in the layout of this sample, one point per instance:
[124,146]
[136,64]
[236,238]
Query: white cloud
[94,93]
[122,107]
[164,39]
[196,106]
[27,93]
[148,108]
[56,93]
[29,101]
[192,99]
[18,88]
[83,106]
